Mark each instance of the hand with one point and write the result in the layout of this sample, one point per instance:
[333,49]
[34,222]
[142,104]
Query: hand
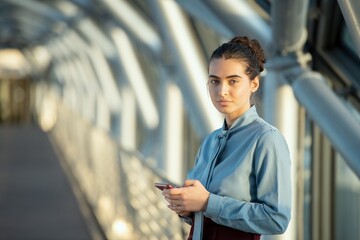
[192,197]
[184,214]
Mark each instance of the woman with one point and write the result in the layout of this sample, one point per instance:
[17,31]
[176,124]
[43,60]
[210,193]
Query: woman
[240,185]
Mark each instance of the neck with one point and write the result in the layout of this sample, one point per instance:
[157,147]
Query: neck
[231,118]
[229,123]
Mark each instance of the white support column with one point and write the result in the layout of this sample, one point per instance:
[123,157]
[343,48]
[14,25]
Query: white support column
[128,120]
[190,64]
[106,78]
[102,113]
[288,37]
[288,124]
[135,23]
[281,110]
[136,78]
[173,134]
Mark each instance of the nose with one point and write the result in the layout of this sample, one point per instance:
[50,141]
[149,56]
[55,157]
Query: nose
[223,89]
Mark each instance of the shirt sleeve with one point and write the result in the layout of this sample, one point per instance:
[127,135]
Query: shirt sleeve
[270,213]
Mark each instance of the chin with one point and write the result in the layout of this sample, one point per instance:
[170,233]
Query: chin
[223,111]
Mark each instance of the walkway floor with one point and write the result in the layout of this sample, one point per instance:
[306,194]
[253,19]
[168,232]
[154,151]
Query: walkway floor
[36,198]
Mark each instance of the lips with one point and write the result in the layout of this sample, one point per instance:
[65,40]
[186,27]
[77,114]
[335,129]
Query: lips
[223,102]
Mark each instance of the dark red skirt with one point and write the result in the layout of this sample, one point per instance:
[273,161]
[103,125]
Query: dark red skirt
[214,231]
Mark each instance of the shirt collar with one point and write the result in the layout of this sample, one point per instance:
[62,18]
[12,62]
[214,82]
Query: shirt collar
[246,118]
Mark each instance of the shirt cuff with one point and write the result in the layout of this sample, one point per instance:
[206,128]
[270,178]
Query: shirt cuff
[213,206]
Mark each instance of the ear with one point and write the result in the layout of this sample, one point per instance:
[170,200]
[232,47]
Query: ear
[255,84]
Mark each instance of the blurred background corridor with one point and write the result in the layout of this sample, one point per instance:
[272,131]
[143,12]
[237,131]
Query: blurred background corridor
[99,99]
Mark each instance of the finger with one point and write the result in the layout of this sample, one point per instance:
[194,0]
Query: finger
[189,182]
[173,191]
[184,213]
[168,200]
[176,208]
[175,202]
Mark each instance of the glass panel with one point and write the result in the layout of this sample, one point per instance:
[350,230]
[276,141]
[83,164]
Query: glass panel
[265,4]
[307,180]
[346,40]
[347,202]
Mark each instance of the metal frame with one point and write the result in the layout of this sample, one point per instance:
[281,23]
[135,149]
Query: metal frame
[112,51]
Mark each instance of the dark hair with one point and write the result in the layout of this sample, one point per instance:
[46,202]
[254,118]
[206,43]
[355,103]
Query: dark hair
[243,48]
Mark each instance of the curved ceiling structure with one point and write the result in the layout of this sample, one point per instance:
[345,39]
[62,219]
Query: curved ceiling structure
[132,74]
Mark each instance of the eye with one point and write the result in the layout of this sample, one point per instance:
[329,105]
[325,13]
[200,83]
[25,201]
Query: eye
[214,81]
[233,81]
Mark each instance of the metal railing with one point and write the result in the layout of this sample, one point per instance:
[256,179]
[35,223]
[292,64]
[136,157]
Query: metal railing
[118,184]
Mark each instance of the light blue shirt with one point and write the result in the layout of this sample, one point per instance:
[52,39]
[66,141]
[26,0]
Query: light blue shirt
[247,170]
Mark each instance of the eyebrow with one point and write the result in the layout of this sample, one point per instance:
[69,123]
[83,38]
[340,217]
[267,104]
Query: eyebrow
[231,76]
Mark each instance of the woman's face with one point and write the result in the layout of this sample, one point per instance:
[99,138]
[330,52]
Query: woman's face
[230,87]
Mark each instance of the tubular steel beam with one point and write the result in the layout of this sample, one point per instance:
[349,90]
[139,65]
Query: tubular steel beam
[330,114]
[242,19]
[203,13]
[350,10]
[289,25]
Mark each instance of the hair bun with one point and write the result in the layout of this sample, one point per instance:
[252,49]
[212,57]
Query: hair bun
[254,46]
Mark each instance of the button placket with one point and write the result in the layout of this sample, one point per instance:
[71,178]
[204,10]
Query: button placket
[199,216]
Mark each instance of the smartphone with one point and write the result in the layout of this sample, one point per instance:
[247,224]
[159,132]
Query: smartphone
[163,186]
